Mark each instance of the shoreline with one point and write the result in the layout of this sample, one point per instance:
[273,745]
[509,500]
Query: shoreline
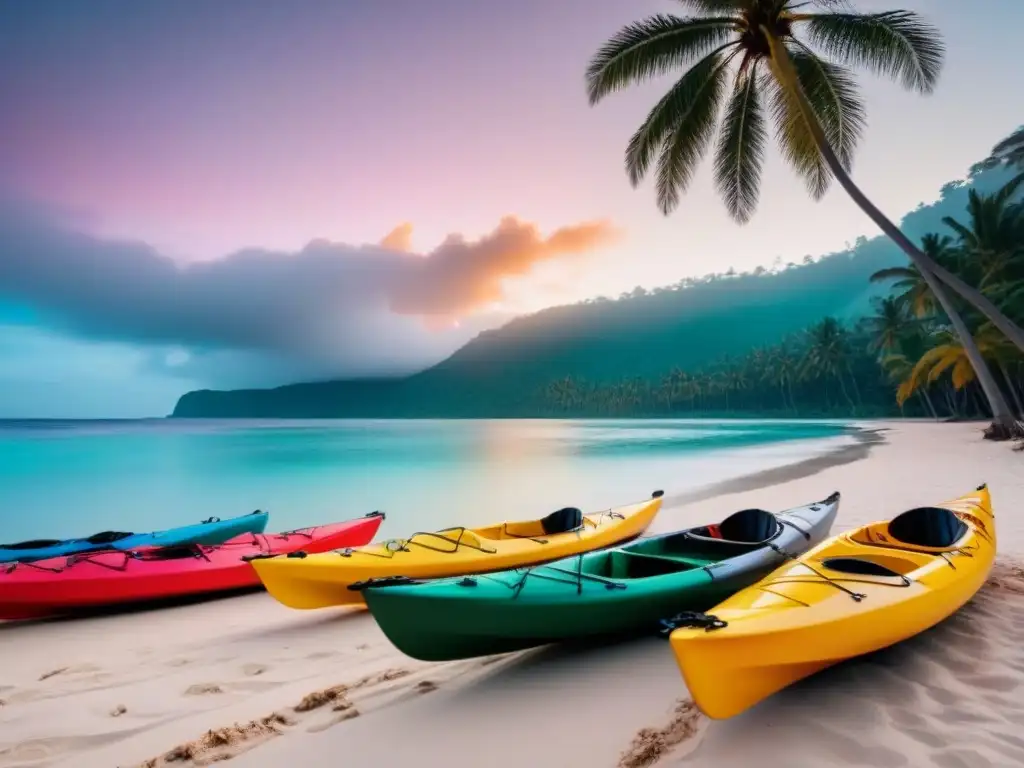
[866,438]
[307,687]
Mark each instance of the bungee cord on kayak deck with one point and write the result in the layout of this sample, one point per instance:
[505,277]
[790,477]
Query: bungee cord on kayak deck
[198,551]
[393,546]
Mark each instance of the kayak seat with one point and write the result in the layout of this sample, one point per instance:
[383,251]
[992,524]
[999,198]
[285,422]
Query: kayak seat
[108,537]
[562,521]
[932,527]
[753,526]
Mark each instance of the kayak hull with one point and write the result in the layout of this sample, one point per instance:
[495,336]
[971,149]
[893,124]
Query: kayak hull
[112,578]
[855,593]
[208,532]
[335,579]
[599,595]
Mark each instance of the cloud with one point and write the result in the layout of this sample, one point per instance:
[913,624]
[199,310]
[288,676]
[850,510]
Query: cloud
[399,239]
[330,309]
[460,276]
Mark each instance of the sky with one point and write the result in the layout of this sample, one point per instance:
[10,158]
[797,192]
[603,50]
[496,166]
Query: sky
[249,193]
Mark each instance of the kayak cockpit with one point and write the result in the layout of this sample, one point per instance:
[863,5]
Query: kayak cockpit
[741,532]
[631,564]
[563,520]
[921,529]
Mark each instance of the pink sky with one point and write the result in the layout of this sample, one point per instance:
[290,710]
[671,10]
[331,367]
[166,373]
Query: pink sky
[203,128]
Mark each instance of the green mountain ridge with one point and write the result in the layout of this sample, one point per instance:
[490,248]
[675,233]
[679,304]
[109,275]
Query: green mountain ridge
[504,372]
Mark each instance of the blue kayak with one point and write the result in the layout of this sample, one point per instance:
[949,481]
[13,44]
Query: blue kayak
[212,531]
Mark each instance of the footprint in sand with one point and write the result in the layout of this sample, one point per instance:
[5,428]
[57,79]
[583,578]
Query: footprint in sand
[251,670]
[221,744]
[119,710]
[316,655]
[179,662]
[75,669]
[426,686]
[203,689]
[343,710]
[651,744]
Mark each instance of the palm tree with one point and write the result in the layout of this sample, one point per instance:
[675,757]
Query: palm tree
[993,238]
[814,104]
[948,354]
[828,354]
[1008,153]
[889,325]
[912,290]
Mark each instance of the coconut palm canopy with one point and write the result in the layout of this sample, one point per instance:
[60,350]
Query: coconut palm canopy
[738,54]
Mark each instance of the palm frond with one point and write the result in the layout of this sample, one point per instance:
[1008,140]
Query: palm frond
[962,373]
[893,273]
[739,156]
[1011,149]
[718,7]
[945,357]
[832,92]
[794,136]
[670,111]
[964,232]
[896,44]
[682,150]
[652,47]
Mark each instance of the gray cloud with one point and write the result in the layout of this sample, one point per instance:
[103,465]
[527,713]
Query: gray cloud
[330,309]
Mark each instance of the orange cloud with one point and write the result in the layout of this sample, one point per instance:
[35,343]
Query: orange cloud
[399,238]
[459,276]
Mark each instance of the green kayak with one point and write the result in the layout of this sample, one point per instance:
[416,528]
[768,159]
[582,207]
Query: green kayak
[603,594]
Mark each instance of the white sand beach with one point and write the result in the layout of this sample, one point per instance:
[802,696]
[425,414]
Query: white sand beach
[249,680]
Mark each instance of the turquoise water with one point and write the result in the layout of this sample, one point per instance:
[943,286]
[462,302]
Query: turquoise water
[65,479]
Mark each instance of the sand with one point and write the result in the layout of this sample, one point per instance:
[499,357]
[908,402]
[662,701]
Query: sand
[247,680]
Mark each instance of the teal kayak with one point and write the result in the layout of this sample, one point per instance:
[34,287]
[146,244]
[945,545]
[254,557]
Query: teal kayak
[209,532]
[604,594]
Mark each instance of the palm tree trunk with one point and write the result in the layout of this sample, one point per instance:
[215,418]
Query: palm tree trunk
[928,267]
[846,394]
[1013,389]
[1002,416]
[928,402]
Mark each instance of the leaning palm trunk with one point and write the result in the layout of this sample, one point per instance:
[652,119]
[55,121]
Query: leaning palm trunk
[1002,416]
[930,269]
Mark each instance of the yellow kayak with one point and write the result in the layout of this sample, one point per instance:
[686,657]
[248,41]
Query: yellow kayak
[321,580]
[854,593]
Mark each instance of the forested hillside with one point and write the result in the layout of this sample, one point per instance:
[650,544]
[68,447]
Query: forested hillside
[799,340]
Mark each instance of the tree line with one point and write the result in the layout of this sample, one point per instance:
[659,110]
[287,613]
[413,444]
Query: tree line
[903,359]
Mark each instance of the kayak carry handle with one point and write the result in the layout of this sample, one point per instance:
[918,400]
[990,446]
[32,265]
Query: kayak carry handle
[982,487]
[385,581]
[258,556]
[657,494]
[376,513]
[832,498]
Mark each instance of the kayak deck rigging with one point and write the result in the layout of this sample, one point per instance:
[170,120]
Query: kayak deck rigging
[567,520]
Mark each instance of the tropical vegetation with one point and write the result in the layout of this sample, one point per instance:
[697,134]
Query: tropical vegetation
[795,57]
[903,358]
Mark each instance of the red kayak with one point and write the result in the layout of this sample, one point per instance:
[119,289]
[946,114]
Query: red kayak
[108,578]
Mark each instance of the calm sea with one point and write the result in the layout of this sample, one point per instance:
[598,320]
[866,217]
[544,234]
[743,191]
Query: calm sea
[73,478]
